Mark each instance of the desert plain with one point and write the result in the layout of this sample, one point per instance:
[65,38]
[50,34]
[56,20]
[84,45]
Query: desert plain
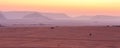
[60,37]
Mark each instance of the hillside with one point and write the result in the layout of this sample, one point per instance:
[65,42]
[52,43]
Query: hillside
[2,17]
[36,16]
[56,16]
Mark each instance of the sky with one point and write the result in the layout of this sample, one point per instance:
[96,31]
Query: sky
[70,7]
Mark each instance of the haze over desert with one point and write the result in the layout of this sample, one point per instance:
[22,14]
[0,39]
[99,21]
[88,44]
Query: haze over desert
[59,23]
[57,30]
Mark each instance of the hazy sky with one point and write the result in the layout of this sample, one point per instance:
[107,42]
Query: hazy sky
[72,7]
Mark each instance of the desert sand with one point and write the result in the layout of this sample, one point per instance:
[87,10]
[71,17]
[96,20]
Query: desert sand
[60,37]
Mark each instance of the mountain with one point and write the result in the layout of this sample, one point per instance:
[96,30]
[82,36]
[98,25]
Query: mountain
[56,16]
[105,17]
[55,19]
[98,17]
[83,17]
[36,16]
[16,14]
[99,20]
[2,17]
[16,18]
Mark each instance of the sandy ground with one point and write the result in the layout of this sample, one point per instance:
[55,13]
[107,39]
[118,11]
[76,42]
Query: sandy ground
[60,37]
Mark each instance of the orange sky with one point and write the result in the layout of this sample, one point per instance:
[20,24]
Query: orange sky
[72,7]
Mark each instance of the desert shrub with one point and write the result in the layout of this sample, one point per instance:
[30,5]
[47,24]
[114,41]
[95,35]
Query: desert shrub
[52,27]
[116,26]
[108,26]
[90,34]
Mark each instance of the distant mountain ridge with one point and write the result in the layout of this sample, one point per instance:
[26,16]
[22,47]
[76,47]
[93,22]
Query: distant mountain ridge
[98,17]
[21,14]
[56,15]
[55,19]
[16,14]
[2,17]
[36,16]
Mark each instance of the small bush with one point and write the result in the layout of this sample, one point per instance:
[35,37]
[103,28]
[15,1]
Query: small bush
[52,28]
